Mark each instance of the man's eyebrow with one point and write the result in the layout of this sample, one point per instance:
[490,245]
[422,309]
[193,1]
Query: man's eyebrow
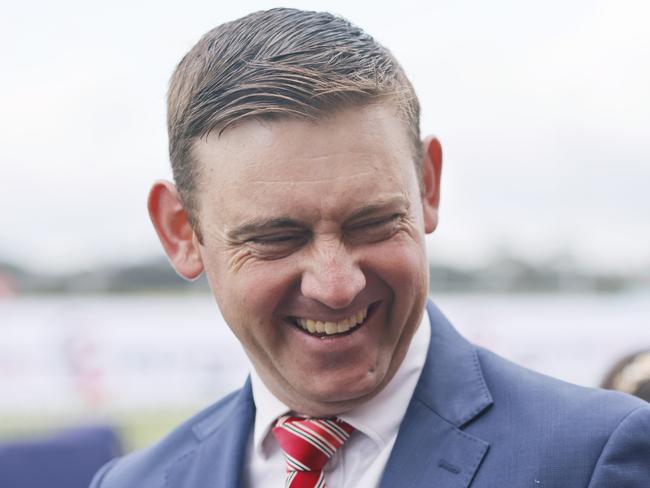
[264,225]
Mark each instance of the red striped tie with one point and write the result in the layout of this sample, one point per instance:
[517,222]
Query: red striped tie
[307,445]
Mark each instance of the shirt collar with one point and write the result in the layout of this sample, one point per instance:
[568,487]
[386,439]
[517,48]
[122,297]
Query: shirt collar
[379,418]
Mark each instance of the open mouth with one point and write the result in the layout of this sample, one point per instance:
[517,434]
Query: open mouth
[346,326]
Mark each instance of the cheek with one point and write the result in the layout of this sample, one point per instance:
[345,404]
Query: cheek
[402,264]
[404,268]
[248,298]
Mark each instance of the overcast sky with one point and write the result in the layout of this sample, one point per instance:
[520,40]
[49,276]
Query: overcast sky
[543,109]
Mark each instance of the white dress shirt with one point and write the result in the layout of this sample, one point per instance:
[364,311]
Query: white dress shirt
[361,461]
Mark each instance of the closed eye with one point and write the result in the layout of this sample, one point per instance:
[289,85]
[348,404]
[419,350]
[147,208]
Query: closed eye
[374,230]
[270,240]
[378,222]
[275,246]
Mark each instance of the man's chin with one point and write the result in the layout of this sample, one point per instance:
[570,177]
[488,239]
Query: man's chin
[336,399]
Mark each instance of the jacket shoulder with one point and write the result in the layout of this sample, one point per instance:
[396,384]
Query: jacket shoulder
[563,433]
[146,468]
[534,392]
[625,458]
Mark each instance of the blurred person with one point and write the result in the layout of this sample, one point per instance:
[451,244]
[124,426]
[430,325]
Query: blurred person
[67,458]
[631,375]
[304,192]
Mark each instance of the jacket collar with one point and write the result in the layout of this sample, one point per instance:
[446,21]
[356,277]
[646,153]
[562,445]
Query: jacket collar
[452,383]
[218,458]
[431,449]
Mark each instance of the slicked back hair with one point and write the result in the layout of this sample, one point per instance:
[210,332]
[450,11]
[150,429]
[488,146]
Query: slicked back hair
[278,63]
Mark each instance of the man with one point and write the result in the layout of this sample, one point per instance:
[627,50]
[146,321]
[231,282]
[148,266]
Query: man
[304,193]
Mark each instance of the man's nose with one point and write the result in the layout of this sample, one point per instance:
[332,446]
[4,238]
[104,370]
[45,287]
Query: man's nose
[332,276]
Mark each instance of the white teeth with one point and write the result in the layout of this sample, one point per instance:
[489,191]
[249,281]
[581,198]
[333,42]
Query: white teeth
[344,326]
[330,328]
[311,325]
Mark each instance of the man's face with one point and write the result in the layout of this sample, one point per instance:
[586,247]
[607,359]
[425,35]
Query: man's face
[313,245]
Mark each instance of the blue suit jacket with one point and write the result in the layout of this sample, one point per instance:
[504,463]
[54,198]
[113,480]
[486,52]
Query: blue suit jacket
[475,420]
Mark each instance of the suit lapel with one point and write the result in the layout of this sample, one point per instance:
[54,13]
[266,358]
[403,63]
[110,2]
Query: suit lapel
[218,459]
[431,450]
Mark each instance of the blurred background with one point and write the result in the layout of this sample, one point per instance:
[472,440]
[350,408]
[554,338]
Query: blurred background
[542,254]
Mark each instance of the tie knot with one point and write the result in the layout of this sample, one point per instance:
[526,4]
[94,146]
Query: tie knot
[308,443]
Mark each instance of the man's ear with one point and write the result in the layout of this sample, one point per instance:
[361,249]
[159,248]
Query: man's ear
[431,169]
[174,229]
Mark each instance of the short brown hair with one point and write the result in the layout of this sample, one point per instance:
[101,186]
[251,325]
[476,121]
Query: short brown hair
[278,63]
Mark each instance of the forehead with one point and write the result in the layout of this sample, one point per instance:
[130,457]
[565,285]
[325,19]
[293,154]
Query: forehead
[354,155]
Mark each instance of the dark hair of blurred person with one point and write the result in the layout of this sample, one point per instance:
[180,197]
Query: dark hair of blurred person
[631,375]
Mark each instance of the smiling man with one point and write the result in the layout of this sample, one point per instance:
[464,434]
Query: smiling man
[304,193]
[313,241]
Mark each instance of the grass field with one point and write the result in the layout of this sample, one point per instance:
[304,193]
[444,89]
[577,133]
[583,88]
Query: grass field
[136,429]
